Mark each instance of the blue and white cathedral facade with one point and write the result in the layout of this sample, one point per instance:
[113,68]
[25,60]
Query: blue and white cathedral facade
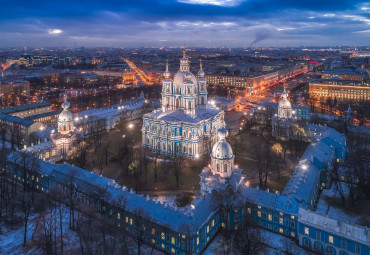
[185,124]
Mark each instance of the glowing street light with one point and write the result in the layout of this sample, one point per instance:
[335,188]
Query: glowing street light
[130,125]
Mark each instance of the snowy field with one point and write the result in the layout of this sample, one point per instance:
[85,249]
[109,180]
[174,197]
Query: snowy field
[11,240]
[325,207]
[276,245]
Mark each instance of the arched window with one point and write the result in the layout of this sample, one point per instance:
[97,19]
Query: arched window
[158,146]
[177,103]
[177,91]
[64,128]
[202,99]
[163,146]
[189,90]
[225,168]
[169,148]
[189,104]
[218,167]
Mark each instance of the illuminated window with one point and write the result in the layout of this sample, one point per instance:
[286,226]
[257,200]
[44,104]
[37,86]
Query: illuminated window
[207,229]
[197,240]
[270,217]
[118,216]
[33,177]
[37,179]
[162,236]
[126,219]
[292,234]
[153,231]
[259,214]
[183,236]
[306,231]
[53,153]
[281,221]
[47,154]
[110,212]
[213,223]
[130,221]
[331,239]
[173,250]
[162,246]
[292,217]
[281,230]
[153,241]
[173,240]
[249,210]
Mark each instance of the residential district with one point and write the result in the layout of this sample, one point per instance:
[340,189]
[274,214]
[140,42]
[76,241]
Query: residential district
[172,148]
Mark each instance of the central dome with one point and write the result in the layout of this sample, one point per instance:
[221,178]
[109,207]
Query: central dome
[180,78]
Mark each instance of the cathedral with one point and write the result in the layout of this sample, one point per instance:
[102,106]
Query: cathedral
[185,124]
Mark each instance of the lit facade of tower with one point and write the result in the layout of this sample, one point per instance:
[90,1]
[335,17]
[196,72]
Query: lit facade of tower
[64,137]
[222,172]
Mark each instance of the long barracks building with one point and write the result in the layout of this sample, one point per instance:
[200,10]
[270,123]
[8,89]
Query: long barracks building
[189,230]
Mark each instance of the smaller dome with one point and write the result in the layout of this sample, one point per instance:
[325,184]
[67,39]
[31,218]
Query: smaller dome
[222,150]
[284,102]
[65,105]
[201,73]
[65,116]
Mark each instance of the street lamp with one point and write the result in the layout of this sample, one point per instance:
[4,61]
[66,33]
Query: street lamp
[130,125]
[196,159]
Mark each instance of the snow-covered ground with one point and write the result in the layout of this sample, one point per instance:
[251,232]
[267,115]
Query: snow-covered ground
[324,207]
[276,244]
[11,240]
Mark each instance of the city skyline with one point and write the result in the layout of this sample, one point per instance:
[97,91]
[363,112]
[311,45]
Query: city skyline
[232,23]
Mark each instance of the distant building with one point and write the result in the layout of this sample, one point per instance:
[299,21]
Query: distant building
[18,130]
[47,118]
[17,87]
[344,74]
[26,110]
[341,90]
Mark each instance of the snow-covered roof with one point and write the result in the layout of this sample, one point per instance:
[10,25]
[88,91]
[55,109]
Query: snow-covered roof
[16,120]
[316,157]
[269,200]
[159,213]
[113,110]
[179,115]
[25,107]
[344,229]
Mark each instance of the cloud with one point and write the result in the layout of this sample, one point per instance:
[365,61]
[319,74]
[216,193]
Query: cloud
[54,31]
[173,22]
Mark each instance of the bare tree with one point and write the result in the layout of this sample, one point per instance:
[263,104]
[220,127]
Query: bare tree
[249,238]
[140,228]
[225,200]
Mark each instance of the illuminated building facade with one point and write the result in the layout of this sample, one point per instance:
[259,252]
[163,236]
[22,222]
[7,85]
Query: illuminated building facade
[185,121]
[342,90]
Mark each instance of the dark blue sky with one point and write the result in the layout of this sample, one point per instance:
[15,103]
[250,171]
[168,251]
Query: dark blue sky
[127,23]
